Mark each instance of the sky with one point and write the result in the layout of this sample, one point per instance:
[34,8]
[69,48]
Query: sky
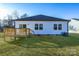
[60,10]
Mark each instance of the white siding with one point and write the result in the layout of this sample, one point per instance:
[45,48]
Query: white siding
[47,26]
[75,24]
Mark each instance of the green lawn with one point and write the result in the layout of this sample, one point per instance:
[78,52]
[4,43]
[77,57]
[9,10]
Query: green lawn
[40,46]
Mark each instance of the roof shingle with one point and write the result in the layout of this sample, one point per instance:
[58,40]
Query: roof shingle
[41,18]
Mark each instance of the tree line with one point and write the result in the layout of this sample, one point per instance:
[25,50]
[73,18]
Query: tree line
[7,20]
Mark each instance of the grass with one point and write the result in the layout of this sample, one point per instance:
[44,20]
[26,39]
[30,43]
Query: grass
[40,46]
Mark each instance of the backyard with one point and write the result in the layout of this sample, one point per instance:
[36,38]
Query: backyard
[40,46]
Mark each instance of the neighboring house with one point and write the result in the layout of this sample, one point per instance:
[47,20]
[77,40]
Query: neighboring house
[74,25]
[43,25]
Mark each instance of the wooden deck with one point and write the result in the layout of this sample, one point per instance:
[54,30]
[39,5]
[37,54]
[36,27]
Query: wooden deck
[16,32]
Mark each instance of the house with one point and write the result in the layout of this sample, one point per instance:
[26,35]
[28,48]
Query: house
[74,25]
[43,25]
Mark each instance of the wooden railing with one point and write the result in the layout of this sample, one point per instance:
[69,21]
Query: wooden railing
[17,32]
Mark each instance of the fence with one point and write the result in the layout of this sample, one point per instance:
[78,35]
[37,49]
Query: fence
[16,32]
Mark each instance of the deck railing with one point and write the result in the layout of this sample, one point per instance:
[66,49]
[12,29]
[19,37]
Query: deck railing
[17,32]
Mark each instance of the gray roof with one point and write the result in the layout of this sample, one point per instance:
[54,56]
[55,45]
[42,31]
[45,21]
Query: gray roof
[75,19]
[41,18]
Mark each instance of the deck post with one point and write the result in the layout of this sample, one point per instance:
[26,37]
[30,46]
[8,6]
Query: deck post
[15,31]
[26,32]
[4,34]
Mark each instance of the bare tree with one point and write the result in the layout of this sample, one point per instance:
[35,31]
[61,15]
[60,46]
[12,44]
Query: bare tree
[10,23]
[7,21]
[9,17]
[1,28]
[0,23]
[16,14]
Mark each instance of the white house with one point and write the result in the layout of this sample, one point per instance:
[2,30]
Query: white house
[43,25]
[74,25]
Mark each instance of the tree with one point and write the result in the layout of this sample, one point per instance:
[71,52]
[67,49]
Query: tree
[0,23]
[10,23]
[24,15]
[9,17]
[16,15]
[7,21]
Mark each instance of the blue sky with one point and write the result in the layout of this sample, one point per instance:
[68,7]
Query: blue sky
[61,10]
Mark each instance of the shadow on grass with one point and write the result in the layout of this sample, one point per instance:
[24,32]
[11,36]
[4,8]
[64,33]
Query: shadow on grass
[47,41]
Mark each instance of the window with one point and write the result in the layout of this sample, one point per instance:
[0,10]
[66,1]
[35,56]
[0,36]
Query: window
[59,26]
[22,26]
[55,26]
[40,26]
[36,26]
